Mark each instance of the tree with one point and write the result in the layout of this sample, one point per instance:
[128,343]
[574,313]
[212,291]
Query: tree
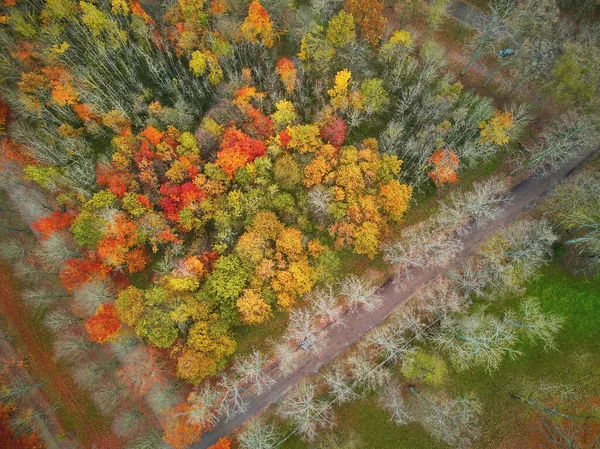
[104,325]
[477,340]
[223,443]
[495,129]
[426,368]
[251,370]
[368,16]
[252,307]
[390,343]
[490,28]
[340,30]
[437,11]
[451,420]
[391,399]
[574,208]
[560,142]
[258,435]
[446,163]
[232,402]
[324,304]
[533,323]
[287,74]
[157,327]
[305,412]
[360,293]
[258,24]
[302,330]
[340,385]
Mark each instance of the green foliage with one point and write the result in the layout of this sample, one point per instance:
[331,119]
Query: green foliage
[87,229]
[287,172]
[426,368]
[226,283]
[157,328]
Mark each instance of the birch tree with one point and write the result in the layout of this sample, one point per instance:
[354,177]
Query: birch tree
[340,384]
[533,323]
[361,294]
[251,370]
[258,434]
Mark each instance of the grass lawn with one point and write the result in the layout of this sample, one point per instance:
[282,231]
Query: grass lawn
[576,363]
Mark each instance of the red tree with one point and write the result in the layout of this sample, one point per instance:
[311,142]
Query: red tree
[334,131]
[56,221]
[104,324]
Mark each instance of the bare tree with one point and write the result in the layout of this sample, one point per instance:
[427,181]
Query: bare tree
[340,385]
[54,250]
[127,422]
[41,298]
[390,343]
[251,370]
[17,388]
[286,357]
[232,402]
[71,347]
[439,299]
[366,372]
[325,305]
[203,406]
[305,411]
[451,420]
[478,206]
[565,138]
[109,395]
[258,435]
[361,293]
[302,330]
[163,396]
[391,399]
[91,295]
[477,340]
[58,319]
[533,323]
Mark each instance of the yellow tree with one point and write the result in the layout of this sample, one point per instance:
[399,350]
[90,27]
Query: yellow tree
[495,129]
[258,25]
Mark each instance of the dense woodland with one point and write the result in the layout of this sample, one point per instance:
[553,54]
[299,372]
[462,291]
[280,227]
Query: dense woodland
[183,176]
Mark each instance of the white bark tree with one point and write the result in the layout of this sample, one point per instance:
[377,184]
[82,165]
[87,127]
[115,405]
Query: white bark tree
[326,306]
[366,372]
[303,331]
[232,402]
[258,434]
[307,413]
[361,293]
[340,385]
[477,340]
[390,343]
[390,398]
[251,370]
[533,323]
[204,403]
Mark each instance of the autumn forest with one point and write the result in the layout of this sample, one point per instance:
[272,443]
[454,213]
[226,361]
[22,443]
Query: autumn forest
[330,224]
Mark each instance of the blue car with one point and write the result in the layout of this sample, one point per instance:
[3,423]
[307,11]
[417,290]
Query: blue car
[506,52]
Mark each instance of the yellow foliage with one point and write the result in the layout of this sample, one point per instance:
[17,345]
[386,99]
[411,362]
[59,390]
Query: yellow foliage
[494,130]
[304,138]
[394,198]
[284,115]
[266,225]
[252,307]
[289,243]
[339,91]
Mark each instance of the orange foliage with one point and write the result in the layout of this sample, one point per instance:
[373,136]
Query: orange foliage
[85,113]
[137,10]
[3,118]
[258,24]
[368,16]
[237,149]
[445,161]
[104,325]
[223,443]
[56,221]
[178,431]
[153,135]
[78,271]
[287,73]
[10,440]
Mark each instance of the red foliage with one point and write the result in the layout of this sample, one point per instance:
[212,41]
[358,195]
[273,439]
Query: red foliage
[261,124]
[285,138]
[445,161]
[237,149]
[178,431]
[78,271]
[137,259]
[208,259]
[9,440]
[56,221]
[137,10]
[223,443]
[104,324]
[177,196]
[334,131]
[12,151]
[116,182]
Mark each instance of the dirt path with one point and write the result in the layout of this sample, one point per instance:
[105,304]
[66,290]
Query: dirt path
[339,339]
[43,367]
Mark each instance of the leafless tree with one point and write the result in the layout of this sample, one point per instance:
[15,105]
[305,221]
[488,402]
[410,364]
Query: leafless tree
[232,402]
[17,388]
[390,343]
[340,385]
[365,371]
[478,206]
[40,298]
[54,250]
[325,305]
[12,250]
[127,422]
[319,200]
[286,357]
[302,330]
[438,299]
[258,435]
[305,411]
[163,396]
[58,319]
[109,395]
[361,293]
[150,440]
[251,370]
[91,295]
[71,347]
[533,323]
[391,399]
[455,421]
[477,340]
[203,406]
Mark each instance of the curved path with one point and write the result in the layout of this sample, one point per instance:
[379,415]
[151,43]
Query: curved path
[525,195]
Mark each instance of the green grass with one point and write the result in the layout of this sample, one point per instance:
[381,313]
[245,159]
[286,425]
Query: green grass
[575,363]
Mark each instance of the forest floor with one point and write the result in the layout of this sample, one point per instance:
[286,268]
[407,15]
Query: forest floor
[525,195]
[33,343]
